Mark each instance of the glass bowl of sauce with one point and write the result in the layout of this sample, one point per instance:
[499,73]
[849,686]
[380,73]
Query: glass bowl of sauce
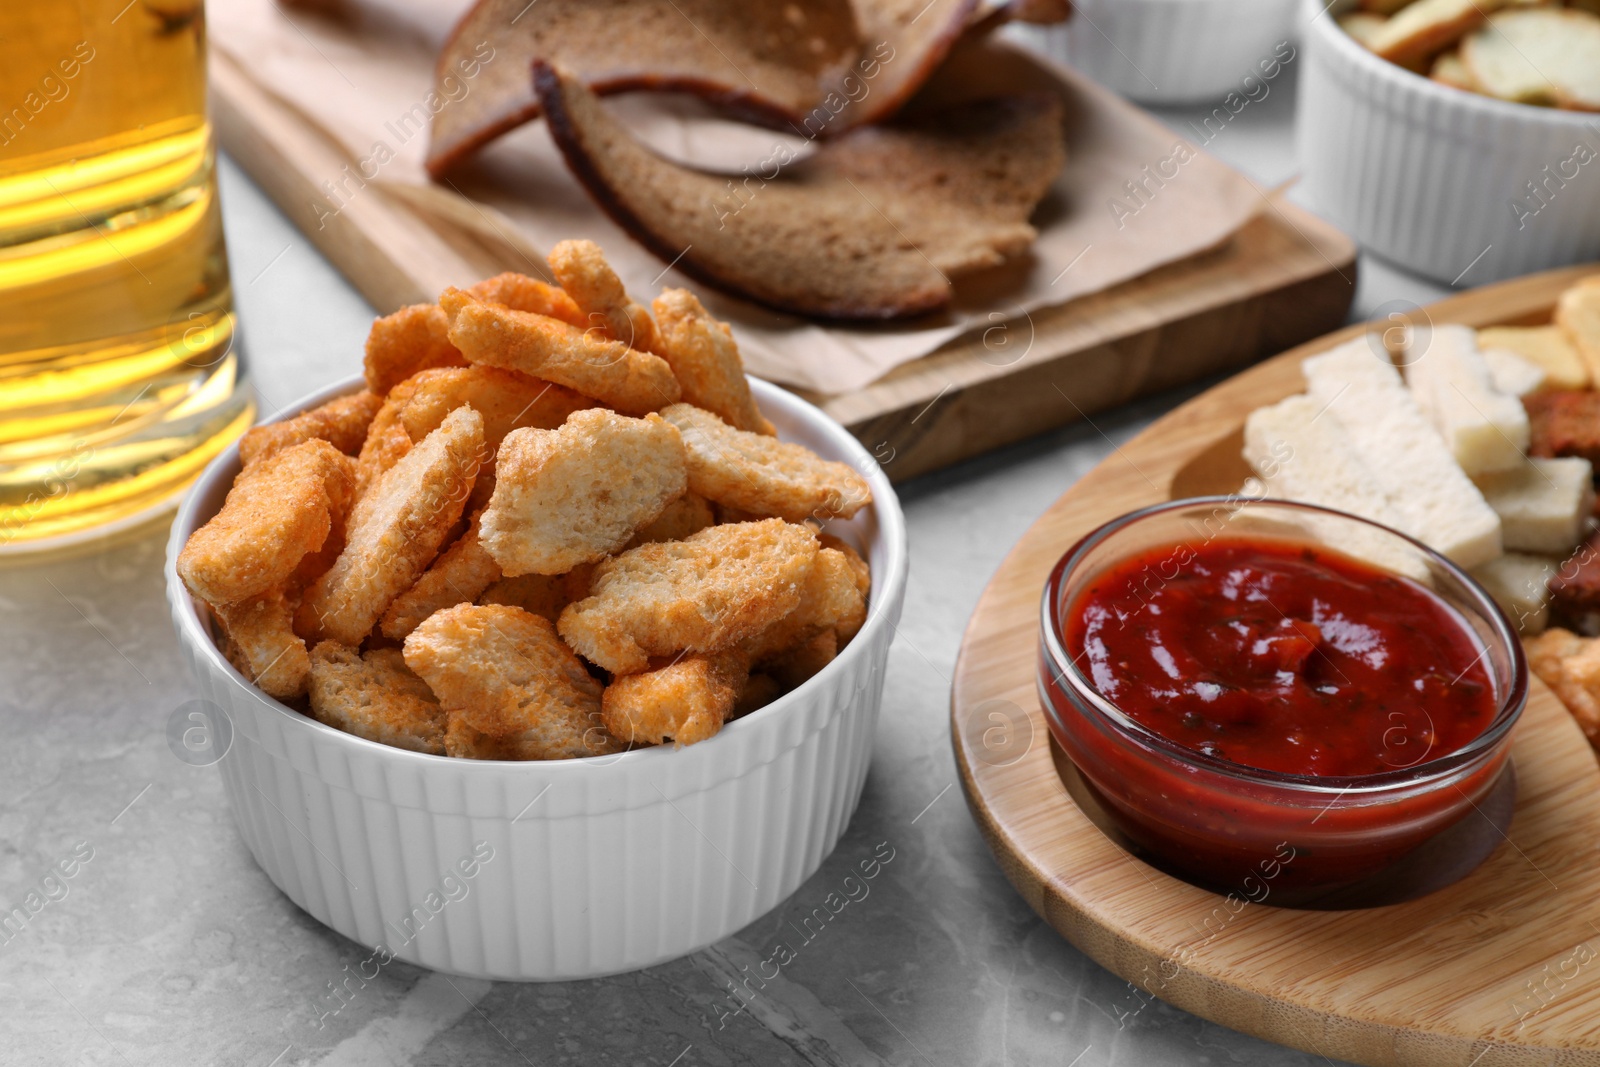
[1270,691]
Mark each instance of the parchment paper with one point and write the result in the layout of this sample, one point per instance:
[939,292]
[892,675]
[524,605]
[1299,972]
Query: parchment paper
[1132,197]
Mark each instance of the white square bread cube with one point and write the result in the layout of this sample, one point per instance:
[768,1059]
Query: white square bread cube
[1543,505]
[1487,430]
[1546,346]
[1409,462]
[1512,374]
[1520,584]
[1303,453]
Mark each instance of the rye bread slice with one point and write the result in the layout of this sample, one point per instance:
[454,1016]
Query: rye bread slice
[871,225]
[817,67]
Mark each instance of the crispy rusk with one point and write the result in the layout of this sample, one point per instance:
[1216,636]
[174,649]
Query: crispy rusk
[522,293]
[396,530]
[464,742]
[1570,665]
[706,361]
[577,494]
[584,274]
[342,422]
[796,666]
[459,576]
[1538,55]
[850,624]
[689,514]
[829,598]
[760,690]
[412,339]
[341,499]
[705,593]
[1363,26]
[762,475]
[375,696]
[1421,29]
[279,509]
[542,594]
[504,672]
[266,649]
[387,439]
[624,378]
[872,225]
[506,399]
[685,701]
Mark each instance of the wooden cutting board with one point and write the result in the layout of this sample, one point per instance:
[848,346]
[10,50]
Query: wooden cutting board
[1502,967]
[1285,277]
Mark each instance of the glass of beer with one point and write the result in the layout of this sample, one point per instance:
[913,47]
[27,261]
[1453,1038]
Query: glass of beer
[120,377]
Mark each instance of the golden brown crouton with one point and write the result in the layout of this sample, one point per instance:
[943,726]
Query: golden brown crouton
[458,576]
[577,494]
[685,701]
[542,594]
[689,514]
[375,696]
[506,399]
[266,649]
[702,594]
[395,531]
[706,361]
[626,379]
[797,665]
[504,672]
[829,598]
[412,339]
[342,422]
[522,293]
[762,475]
[278,510]
[594,287]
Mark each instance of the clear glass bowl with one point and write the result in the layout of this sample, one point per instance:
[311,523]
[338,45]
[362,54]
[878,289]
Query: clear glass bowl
[1232,827]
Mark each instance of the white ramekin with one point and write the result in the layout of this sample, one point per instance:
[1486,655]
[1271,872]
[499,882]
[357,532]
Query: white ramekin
[1169,51]
[1429,176]
[594,866]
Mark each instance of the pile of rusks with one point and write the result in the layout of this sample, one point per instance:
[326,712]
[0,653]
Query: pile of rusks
[553,524]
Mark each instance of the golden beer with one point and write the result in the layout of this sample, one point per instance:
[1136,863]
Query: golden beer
[119,376]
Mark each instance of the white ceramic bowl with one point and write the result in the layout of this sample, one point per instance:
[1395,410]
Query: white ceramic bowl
[1170,51]
[579,868]
[1431,177]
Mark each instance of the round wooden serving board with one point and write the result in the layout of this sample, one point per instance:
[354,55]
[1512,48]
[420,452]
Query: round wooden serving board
[1502,967]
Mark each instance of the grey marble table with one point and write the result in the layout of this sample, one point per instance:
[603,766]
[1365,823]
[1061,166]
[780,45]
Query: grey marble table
[169,946]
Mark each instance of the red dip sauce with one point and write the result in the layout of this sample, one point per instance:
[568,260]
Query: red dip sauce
[1282,657]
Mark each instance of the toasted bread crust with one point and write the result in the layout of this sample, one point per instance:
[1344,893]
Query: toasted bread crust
[506,399]
[705,593]
[584,274]
[706,361]
[871,226]
[522,293]
[278,511]
[459,576]
[375,696]
[761,475]
[504,672]
[267,650]
[395,531]
[574,495]
[632,382]
[342,422]
[685,701]
[412,339]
